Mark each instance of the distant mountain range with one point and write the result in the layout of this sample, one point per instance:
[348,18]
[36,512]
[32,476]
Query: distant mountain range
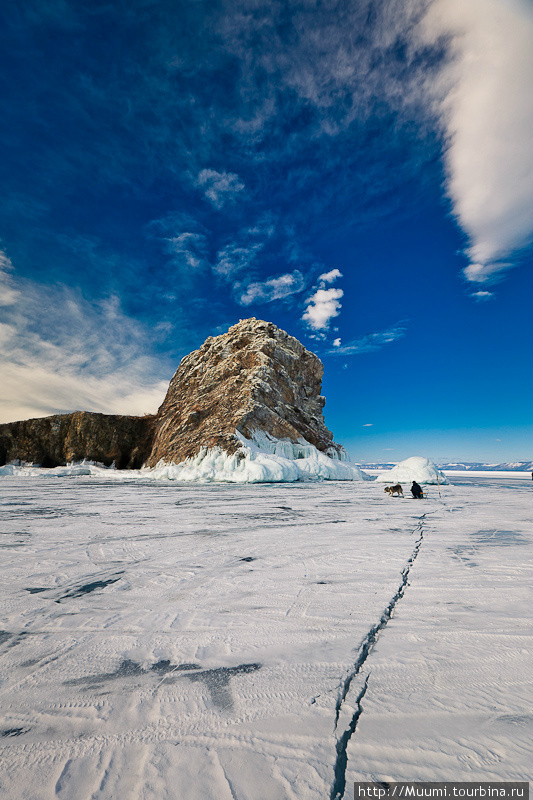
[506,466]
[474,466]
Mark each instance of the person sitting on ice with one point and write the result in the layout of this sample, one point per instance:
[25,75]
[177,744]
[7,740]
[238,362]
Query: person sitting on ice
[416,491]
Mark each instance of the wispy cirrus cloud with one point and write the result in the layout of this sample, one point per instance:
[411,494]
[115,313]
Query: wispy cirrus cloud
[235,257]
[189,249]
[9,294]
[482,296]
[370,342]
[220,188]
[276,288]
[322,67]
[92,357]
[240,253]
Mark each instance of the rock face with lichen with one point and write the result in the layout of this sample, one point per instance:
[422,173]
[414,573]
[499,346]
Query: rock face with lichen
[253,379]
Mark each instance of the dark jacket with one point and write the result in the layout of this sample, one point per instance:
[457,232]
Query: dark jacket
[416,490]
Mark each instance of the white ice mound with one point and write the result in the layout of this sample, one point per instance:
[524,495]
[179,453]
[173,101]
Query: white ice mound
[416,468]
[262,459]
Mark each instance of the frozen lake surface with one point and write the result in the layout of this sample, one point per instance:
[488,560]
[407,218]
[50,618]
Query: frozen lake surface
[162,641]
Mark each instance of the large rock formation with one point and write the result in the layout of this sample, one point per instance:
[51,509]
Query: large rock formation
[253,379]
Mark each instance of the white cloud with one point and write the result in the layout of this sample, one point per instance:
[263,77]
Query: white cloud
[34,389]
[329,277]
[487,113]
[234,258]
[189,249]
[323,306]
[239,254]
[371,341]
[8,293]
[60,353]
[466,62]
[323,68]
[220,187]
[368,425]
[336,342]
[482,296]
[273,289]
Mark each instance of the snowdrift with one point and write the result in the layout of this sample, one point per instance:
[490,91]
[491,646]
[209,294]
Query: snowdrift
[262,459]
[416,468]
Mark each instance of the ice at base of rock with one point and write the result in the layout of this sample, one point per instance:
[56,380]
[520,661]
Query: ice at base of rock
[262,459]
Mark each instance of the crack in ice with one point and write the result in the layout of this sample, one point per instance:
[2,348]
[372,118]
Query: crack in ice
[365,648]
[341,762]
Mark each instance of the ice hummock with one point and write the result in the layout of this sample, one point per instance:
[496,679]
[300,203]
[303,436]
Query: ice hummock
[261,459]
[416,468]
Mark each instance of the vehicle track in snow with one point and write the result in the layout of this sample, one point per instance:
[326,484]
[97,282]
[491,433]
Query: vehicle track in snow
[364,650]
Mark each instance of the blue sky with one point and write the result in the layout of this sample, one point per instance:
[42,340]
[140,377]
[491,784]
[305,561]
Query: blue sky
[359,173]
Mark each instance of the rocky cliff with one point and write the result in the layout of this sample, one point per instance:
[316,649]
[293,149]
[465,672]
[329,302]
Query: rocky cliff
[63,438]
[254,378]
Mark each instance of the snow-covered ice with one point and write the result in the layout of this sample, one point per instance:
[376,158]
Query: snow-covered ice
[416,468]
[173,641]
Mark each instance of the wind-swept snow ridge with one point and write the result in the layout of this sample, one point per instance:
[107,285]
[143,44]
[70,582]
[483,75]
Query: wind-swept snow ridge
[416,468]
